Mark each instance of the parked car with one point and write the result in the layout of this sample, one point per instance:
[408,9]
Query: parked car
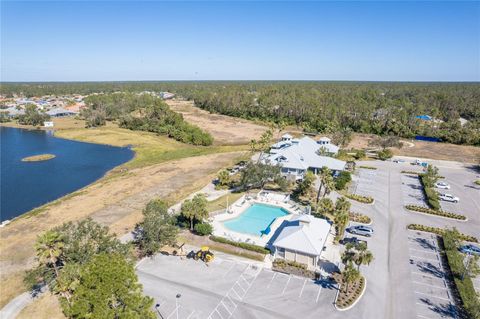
[449,198]
[352,240]
[442,185]
[361,230]
[398,160]
[470,249]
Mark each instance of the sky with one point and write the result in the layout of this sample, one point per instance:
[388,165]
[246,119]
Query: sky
[249,40]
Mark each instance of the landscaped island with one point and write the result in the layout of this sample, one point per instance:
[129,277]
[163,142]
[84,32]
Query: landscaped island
[38,158]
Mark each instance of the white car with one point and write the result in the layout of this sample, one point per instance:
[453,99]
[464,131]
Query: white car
[449,198]
[442,185]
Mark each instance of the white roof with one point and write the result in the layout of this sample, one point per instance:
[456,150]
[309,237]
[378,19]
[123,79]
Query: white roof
[59,110]
[302,155]
[286,136]
[305,234]
[13,111]
[324,139]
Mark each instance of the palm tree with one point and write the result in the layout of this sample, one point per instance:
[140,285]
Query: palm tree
[363,256]
[49,248]
[326,181]
[350,275]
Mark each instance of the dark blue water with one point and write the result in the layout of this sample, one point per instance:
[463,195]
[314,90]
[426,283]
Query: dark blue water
[26,185]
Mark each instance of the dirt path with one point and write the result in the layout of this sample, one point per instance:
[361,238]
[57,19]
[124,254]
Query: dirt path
[116,202]
[226,130]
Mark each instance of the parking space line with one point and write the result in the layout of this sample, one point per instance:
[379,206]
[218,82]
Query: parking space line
[193,311]
[229,270]
[174,311]
[301,291]
[225,306]
[424,284]
[239,298]
[285,288]
[423,258]
[271,280]
[426,275]
[423,251]
[318,294]
[423,317]
[432,296]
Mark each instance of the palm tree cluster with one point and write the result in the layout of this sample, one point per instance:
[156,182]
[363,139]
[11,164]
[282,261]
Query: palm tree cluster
[355,254]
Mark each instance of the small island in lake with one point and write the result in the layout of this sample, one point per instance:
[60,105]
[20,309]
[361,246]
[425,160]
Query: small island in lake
[38,158]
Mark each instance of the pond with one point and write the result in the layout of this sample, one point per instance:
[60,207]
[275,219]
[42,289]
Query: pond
[25,185]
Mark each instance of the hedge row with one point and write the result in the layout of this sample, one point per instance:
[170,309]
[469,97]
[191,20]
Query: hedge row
[430,193]
[463,282]
[247,246]
[360,198]
[430,211]
[360,218]
[367,167]
[411,172]
[440,232]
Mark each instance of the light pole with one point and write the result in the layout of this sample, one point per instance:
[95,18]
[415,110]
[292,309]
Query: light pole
[176,302]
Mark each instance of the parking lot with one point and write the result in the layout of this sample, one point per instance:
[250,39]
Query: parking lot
[432,296]
[228,288]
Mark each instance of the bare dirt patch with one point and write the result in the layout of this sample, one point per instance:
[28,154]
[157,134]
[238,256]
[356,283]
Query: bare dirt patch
[225,130]
[421,149]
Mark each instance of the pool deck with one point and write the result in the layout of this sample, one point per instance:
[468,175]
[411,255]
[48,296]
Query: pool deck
[239,207]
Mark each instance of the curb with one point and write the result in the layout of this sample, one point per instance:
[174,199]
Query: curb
[355,302]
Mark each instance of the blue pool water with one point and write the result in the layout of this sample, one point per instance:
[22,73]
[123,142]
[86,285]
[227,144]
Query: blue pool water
[256,219]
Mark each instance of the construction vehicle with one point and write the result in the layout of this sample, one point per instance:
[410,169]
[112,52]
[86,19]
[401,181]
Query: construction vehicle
[204,254]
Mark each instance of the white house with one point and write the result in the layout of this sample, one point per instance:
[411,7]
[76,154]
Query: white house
[302,240]
[296,156]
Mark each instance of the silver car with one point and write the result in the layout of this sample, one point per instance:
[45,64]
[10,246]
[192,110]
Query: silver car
[361,230]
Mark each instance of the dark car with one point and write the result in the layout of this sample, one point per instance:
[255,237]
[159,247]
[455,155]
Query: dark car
[470,249]
[352,240]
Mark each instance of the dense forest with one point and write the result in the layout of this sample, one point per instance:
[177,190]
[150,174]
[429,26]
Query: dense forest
[142,112]
[367,107]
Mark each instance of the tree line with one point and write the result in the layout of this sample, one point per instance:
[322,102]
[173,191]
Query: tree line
[142,112]
[327,107]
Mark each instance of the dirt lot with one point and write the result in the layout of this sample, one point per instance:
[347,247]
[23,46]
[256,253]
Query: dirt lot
[439,151]
[226,130]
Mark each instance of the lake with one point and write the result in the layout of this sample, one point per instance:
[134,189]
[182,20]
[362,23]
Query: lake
[26,185]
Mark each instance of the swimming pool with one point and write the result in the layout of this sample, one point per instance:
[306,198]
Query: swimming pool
[256,219]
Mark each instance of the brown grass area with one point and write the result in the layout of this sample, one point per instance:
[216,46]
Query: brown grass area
[11,286]
[44,307]
[438,151]
[226,130]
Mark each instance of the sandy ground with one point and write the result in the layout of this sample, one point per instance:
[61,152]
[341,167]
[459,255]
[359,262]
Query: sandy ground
[438,151]
[225,130]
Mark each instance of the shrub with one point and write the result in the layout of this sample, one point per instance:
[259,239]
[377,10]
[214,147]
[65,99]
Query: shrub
[360,154]
[462,279]
[440,232]
[367,167]
[430,211]
[360,218]
[203,229]
[247,246]
[477,182]
[385,154]
[411,172]
[430,193]
[342,180]
[360,198]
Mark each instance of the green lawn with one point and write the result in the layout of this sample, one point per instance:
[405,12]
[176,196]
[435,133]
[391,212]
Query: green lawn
[221,203]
